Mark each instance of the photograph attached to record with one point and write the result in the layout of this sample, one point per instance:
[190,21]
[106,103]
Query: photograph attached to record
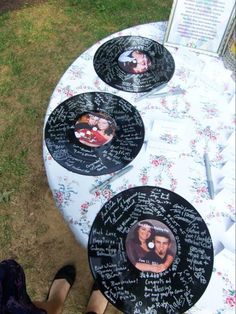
[95,129]
[133,63]
[150,251]
[150,246]
[94,133]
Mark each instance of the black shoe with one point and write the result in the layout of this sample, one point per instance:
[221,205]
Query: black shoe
[67,272]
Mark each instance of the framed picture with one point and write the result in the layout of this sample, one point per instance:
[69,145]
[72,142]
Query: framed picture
[201,25]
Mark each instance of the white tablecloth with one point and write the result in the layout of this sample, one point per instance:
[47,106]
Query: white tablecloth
[178,130]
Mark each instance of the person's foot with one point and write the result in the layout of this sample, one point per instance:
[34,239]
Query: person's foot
[97,302]
[62,282]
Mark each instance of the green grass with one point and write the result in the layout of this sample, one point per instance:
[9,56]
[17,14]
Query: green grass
[5,227]
[106,16]
[37,44]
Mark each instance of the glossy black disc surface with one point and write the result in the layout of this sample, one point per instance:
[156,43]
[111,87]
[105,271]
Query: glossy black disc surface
[92,149]
[133,63]
[172,290]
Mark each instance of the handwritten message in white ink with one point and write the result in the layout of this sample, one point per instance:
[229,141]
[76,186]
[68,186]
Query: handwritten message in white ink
[132,291]
[67,150]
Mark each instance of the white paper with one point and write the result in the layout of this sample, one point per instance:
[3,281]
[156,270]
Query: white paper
[199,24]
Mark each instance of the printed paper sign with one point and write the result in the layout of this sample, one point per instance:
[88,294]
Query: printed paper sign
[202,25]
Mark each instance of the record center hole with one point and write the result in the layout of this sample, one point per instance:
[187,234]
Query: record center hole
[151,245]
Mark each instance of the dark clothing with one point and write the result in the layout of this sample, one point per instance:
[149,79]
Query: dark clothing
[83,125]
[13,296]
[153,258]
[135,251]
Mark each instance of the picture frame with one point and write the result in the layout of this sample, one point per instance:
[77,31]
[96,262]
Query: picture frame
[203,26]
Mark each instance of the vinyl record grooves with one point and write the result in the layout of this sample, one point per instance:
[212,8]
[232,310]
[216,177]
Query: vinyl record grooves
[133,63]
[178,259]
[94,133]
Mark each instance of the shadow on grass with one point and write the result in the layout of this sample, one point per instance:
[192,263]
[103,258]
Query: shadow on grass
[6,5]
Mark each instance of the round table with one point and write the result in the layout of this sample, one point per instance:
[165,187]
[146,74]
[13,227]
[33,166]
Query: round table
[179,128]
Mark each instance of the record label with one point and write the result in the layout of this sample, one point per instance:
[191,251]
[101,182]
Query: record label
[150,252]
[133,63]
[95,129]
[157,242]
[94,133]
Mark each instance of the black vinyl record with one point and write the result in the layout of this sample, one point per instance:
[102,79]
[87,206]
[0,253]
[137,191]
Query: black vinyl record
[133,63]
[94,133]
[150,252]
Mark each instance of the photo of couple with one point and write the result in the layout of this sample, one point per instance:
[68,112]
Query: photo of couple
[151,246]
[134,61]
[95,129]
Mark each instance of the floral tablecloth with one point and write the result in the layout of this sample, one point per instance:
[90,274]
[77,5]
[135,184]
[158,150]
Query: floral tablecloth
[179,128]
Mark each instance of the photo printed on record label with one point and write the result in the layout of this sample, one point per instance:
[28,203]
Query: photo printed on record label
[133,63]
[150,251]
[94,133]
[95,129]
[150,246]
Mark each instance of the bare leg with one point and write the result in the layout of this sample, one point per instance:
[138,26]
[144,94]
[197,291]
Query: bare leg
[97,303]
[59,290]
[57,296]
